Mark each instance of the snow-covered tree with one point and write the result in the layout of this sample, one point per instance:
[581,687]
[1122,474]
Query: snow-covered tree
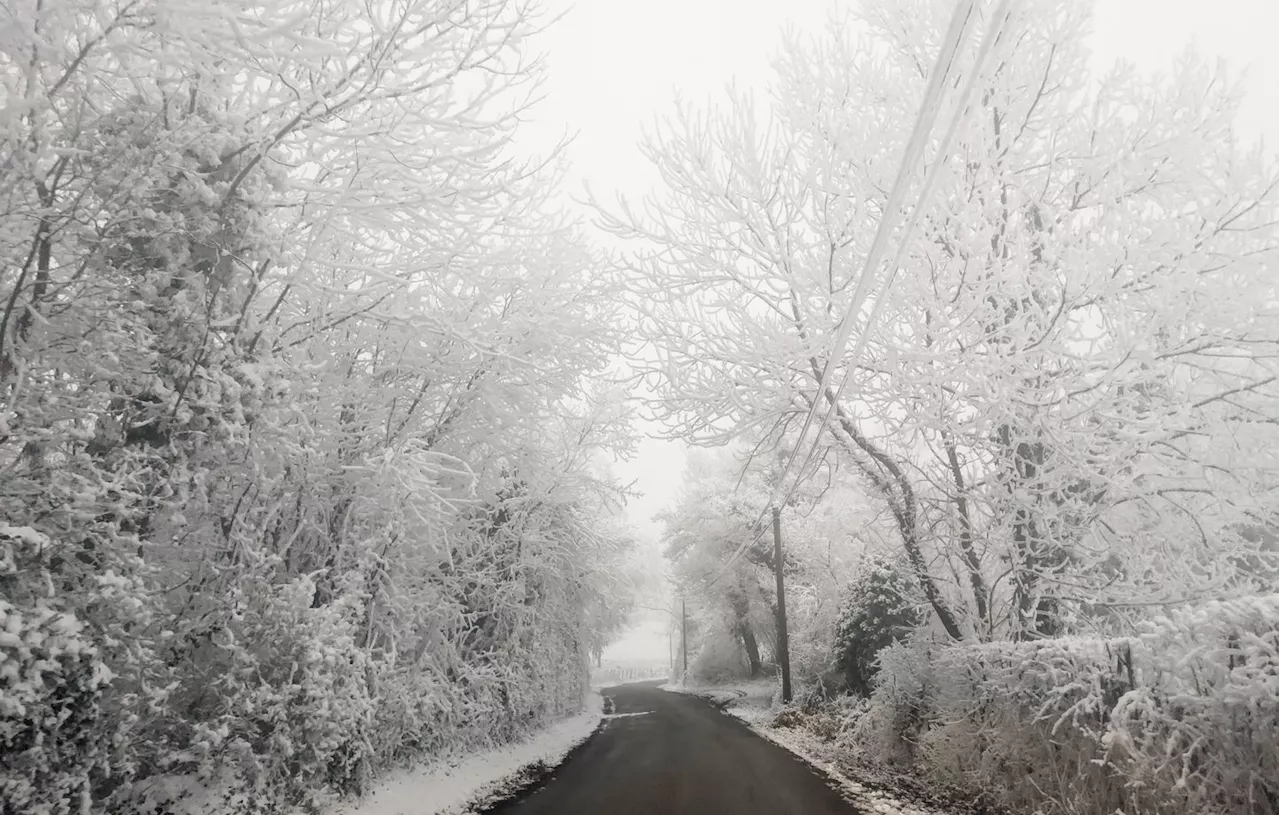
[299,456]
[878,611]
[702,533]
[720,544]
[1068,401]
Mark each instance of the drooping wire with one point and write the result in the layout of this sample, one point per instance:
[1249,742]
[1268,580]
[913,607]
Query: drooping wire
[961,22]
[993,34]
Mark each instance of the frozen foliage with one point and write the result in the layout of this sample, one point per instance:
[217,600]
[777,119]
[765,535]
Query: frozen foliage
[300,429]
[1062,414]
[731,602]
[877,612]
[51,686]
[467,782]
[1067,405]
[1180,717]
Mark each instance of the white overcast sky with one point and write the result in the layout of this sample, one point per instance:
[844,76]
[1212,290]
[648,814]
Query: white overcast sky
[616,65]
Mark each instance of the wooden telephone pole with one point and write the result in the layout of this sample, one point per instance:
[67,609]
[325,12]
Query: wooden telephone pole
[684,640]
[784,652]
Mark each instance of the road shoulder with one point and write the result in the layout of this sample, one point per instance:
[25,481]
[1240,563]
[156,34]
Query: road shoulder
[477,781]
[755,705]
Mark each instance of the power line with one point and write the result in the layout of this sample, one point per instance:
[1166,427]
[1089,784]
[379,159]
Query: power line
[961,22]
[988,41]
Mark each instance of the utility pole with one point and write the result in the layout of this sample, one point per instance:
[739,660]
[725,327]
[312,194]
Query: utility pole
[784,652]
[684,639]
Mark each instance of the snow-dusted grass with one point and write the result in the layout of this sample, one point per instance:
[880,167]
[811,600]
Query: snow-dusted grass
[471,782]
[758,704]
[824,756]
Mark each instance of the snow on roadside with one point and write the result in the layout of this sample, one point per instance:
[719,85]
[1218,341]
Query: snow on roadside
[753,703]
[822,756]
[476,780]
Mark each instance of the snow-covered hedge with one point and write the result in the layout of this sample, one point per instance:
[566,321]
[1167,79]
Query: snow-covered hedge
[51,685]
[301,461]
[1181,717]
[116,696]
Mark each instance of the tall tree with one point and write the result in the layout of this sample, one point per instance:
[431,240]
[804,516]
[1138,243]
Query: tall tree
[1082,325]
[299,447]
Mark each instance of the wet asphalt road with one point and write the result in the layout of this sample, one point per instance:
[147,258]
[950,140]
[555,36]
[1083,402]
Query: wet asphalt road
[677,755]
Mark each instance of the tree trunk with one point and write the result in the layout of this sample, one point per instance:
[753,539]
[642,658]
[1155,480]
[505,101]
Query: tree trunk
[752,647]
[893,484]
[1034,554]
[961,500]
[744,631]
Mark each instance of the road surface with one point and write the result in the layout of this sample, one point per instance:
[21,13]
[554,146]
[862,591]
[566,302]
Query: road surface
[662,753]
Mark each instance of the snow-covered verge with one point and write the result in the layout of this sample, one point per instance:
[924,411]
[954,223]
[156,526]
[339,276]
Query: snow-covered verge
[471,782]
[758,704]
[1179,718]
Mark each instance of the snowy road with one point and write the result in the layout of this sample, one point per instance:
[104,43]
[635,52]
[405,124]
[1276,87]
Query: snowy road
[666,754]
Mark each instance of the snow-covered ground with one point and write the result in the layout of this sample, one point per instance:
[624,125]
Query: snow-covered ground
[750,701]
[754,704]
[473,781]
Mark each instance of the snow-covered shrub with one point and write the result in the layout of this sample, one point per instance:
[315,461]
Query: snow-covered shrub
[297,708]
[812,614]
[78,705]
[1198,730]
[1180,718]
[51,684]
[877,612]
[889,726]
[718,661]
[1015,711]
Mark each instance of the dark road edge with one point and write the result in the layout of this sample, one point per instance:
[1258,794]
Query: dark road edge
[526,779]
[833,779]
[900,788]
